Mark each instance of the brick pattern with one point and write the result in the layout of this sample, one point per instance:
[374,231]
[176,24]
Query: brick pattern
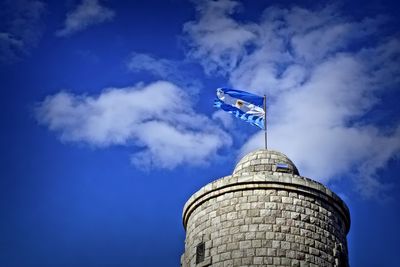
[259,161]
[265,228]
[261,217]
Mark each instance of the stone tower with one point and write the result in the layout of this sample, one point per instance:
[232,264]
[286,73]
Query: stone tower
[265,214]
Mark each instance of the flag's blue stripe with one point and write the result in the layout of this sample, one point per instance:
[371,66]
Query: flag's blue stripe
[248,97]
[250,118]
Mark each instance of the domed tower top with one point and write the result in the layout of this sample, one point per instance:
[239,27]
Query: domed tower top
[262,160]
[265,214]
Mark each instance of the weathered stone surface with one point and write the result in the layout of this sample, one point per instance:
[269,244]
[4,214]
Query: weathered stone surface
[261,217]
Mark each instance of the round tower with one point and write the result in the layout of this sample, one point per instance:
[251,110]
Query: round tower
[265,214]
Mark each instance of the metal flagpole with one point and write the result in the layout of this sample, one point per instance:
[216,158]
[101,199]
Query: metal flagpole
[265,120]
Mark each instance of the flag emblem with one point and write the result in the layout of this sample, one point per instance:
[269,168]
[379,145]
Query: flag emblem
[239,103]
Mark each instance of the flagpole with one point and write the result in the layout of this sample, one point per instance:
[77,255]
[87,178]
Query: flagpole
[265,121]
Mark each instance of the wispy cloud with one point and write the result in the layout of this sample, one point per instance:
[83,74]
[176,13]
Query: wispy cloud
[88,13]
[148,63]
[158,119]
[322,73]
[22,28]
[9,47]
[224,118]
[219,42]
[172,70]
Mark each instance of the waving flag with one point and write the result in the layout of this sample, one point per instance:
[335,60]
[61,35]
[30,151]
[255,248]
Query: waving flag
[243,105]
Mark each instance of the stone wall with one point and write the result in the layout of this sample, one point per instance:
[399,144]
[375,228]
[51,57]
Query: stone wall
[267,219]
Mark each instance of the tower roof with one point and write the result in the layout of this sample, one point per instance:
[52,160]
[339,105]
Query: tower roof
[265,170]
[263,160]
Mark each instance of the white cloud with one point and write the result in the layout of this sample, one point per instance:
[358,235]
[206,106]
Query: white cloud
[218,39]
[223,117]
[320,79]
[157,118]
[88,13]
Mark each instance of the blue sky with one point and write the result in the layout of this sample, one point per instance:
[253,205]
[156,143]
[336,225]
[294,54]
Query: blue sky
[108,123]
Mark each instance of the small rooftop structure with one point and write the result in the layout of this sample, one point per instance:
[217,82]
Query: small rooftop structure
[265,161]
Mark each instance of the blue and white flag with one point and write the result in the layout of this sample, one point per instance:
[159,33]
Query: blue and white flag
[243,105]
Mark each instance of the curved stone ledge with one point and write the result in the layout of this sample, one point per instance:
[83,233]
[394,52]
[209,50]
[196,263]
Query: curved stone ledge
[266,180]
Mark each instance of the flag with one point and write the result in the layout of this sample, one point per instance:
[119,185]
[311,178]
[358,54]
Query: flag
[243,105]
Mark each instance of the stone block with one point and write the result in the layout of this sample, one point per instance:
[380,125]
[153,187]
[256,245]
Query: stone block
[245,244]
[277,199]
[256,243]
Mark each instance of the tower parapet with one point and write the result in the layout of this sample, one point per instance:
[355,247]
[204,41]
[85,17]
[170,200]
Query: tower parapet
[265,214]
